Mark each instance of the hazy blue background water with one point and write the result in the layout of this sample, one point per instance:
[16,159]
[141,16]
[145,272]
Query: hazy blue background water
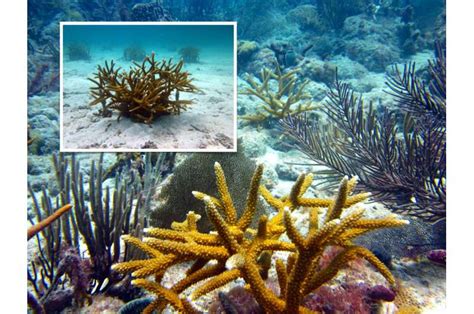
[209,39]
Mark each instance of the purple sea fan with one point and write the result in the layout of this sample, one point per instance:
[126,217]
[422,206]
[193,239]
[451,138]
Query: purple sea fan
[437,256]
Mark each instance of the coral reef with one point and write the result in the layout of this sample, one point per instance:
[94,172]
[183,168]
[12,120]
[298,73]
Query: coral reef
[150,12]
[289,99]
[245,50]
[43,119]
[144,92]
[374,44]
[306,17]
[334,12]
[189,54]
[134,53]
[407,172]
[285,53]
[242,252]
[190,175]
[78,51]
[98,223]
[263,58]
[318,71]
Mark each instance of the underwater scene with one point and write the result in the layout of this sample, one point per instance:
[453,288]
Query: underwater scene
[333,202]
[201,90]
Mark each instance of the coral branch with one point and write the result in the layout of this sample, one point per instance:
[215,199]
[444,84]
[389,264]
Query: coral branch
[249,257]
[33,230]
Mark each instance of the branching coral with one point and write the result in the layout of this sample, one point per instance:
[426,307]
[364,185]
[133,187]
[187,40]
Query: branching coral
[404,165]
[144,92]
[289,99]
[234,250]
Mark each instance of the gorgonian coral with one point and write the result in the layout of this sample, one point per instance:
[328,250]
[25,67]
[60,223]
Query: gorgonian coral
[404,165]
[143,93]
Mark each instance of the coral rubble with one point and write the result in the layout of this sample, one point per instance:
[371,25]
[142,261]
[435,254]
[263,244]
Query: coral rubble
[144,92]
[234,250]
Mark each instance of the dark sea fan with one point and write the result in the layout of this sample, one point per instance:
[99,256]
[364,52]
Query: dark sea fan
[403,165]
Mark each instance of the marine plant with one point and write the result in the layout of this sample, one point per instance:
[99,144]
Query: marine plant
[242,252]
[78,51]
[289,99]
[189,54]
[143,93]
[98,217]
[404,165]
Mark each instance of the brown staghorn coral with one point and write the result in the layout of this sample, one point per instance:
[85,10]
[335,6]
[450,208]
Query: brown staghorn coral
[289,99]
[238,251]
[144,92]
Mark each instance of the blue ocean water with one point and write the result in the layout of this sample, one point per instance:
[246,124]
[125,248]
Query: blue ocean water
[211,40]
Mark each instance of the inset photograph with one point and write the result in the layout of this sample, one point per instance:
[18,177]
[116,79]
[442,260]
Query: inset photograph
[164,86]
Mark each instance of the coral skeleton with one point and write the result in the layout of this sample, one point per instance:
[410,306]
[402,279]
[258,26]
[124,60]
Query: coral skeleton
[235,250]
[143,93]
[289,99]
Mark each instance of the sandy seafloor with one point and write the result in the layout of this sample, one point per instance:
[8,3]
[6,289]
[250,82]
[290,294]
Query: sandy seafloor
[208,124]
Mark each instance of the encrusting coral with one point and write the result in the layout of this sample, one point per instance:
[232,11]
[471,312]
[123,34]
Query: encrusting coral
[144,92]
[234,250]
[278,104]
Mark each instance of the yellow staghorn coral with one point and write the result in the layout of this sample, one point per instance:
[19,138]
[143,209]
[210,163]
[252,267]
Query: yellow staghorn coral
[234,250]
[144,92]
[287,100]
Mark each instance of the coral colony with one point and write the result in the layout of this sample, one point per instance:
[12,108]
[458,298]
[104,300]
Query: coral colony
[144,93]
[280,104]
[243,252]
